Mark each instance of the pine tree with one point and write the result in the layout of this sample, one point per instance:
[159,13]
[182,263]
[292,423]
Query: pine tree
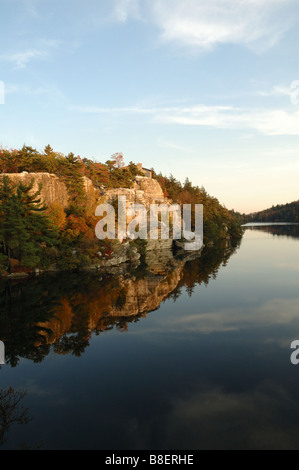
[74,182]
[25,232]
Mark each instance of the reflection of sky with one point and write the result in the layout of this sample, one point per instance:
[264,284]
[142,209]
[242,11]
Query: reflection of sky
[259,288]
[208,371]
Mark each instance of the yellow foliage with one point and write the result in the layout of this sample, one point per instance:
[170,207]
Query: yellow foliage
[57,215]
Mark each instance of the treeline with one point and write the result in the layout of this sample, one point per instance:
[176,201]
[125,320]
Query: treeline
[219,222]
[280,213]
[112,174]
[35,236]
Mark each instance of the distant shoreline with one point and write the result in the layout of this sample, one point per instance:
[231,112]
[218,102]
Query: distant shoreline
[262,224]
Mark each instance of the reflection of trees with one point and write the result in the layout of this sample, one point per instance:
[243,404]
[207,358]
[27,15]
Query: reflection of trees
[22,306]
[60,313]
[290,231]
[11,411]
[203,270]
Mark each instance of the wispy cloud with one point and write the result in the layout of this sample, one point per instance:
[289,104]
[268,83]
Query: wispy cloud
[23,89]
[278,90]
[124,110]
[173,146]
[23,58]
[267,122]
[204,24]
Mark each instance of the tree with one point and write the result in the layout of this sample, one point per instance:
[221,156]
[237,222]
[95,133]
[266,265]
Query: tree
[74,182]
[57,215]
[118,160]
[25,232]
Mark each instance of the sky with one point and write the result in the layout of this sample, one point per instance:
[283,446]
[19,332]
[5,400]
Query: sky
[207,90]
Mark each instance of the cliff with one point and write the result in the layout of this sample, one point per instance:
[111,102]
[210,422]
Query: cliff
[145,191]
[53,189]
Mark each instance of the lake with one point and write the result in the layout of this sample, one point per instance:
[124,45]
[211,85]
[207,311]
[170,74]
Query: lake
[184,355]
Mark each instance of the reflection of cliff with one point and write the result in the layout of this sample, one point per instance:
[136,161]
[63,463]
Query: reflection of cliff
[128,297]
[62,313]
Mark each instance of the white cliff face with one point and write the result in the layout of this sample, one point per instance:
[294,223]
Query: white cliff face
[150,190]
[146,191]
[53,188]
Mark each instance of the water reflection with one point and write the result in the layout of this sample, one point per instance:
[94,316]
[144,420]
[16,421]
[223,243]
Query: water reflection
[12,411]
[62,313]
[280,230]
[210,369]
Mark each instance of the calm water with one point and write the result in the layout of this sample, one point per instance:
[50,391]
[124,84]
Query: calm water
[196,356]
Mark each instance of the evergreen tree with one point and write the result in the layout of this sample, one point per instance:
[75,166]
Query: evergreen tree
[73,176]
[25,232]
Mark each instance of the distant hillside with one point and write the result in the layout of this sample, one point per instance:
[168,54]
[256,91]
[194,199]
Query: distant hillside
[281,213]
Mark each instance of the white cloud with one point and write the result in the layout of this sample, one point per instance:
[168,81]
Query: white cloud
[173,146]
[22,59]
[125,110]
[277,90]
[267,122]
[23,89]
[257,24]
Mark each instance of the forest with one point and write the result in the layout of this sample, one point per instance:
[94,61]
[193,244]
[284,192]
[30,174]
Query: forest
[34,236]
[280,213]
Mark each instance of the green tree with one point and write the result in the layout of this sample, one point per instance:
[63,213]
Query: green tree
[73,176]
[26,232]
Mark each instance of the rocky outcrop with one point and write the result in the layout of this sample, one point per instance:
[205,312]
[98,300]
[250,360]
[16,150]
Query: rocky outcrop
[53,187]
[146,191]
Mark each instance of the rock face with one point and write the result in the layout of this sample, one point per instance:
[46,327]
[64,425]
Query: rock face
[53,189]
[146,191]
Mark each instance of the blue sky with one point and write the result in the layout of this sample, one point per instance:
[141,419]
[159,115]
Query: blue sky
[200,89]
